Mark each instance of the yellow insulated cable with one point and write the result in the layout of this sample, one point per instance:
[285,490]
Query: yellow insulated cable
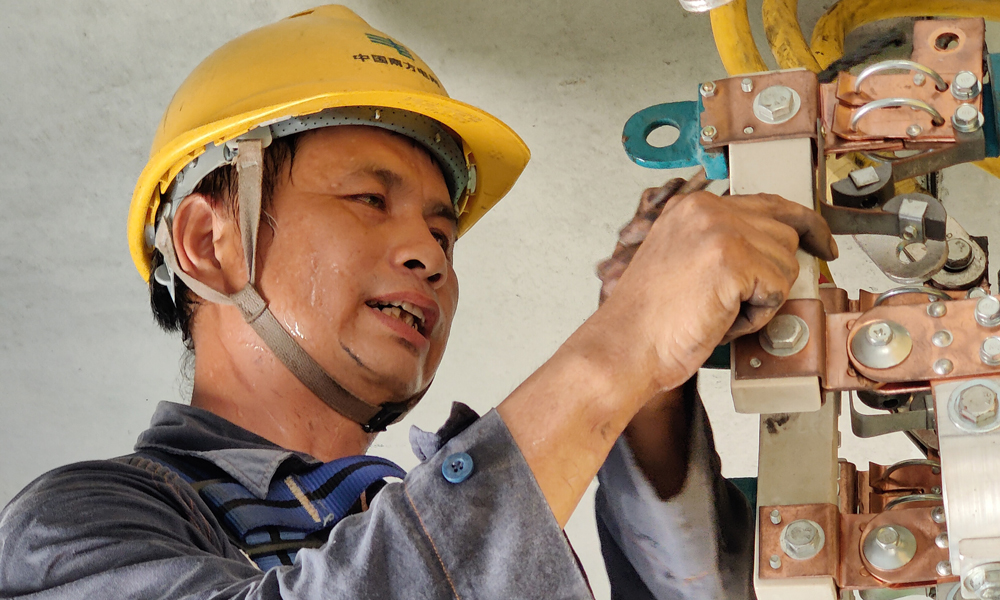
[734,40]
[788,45]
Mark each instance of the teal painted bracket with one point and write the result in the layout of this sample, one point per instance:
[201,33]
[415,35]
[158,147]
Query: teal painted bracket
[687,151]
[991,107]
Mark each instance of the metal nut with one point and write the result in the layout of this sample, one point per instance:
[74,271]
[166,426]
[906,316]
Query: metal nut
[783,332]
[774,103]
[989,352]
[977,404]
[802,539]
[707,89]
[708,133]
[966,119]
[746,85]
[988,311]
[965,86]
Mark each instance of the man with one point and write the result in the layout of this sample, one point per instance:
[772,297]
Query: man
[318,329]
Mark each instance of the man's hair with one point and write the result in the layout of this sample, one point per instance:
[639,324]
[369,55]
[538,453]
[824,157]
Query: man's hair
[221,188]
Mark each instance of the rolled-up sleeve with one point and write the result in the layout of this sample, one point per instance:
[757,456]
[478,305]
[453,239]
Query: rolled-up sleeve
[698,545]
[107,529]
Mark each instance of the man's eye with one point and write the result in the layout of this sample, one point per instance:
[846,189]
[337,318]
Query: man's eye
[371,199]
[444,240]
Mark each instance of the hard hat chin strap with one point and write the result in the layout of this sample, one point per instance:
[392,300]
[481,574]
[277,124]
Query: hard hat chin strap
[249,169]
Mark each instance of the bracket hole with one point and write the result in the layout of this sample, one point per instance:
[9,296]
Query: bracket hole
[663,136]
[946,41]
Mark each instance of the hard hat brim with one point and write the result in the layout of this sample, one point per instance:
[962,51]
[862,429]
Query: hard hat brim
[498,153]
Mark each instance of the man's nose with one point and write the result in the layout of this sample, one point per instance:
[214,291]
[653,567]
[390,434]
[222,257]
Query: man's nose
[418,251]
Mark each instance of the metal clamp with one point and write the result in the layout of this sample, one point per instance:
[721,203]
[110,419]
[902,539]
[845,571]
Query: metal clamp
[908,65]
[938,120]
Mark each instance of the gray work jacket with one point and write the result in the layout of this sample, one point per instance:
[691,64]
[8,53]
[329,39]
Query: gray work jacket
[129,528]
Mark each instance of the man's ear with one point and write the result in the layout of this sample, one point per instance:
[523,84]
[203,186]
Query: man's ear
[207,243]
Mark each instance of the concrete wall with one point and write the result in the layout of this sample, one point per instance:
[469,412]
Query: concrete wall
[83,84]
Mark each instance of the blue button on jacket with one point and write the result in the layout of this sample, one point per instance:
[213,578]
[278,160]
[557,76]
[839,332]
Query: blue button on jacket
[129,528]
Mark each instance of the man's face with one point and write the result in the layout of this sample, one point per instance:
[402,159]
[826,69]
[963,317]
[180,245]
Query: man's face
[357,263]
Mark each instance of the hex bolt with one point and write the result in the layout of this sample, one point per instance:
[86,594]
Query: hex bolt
[959,255]
[919,79]
[879,333]
[977,404]
[989,352]
[966,119]
[708,133]
[802,539]
[783,332]
[937,309]
[887,537]
[775,517]
[914,130]
[983,581]
[943,568]
[965,86]
[937,514]
[707,89]
[988,311]
[774,561]
[774,104]
[746,85]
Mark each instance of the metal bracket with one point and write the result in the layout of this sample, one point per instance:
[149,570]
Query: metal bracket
[687,151]
[869,426]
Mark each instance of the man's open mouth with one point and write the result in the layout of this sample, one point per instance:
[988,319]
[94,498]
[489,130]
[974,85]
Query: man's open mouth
[404,311]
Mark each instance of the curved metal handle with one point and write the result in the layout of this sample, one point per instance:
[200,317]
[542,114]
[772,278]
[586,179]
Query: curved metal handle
[916,289]
[909,65]
[938,120]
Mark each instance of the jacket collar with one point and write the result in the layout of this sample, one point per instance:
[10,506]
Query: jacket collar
[182,430]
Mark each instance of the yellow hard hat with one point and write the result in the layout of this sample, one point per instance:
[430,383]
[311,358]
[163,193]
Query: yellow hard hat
[316,60]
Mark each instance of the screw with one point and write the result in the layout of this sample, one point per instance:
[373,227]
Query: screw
[942,339]
[919,78]
[774,104]
[937,309]
[935,490]
[943,568]
[746,85]
[909,232]
[775,517]
[707,89]
[988,311]
[775,561]
[937,515]
[943,366]
[879,333]
[959,255]
[914,130]
[887,537]
[748,130]
[755,362]
[983,581]
[941,540]
[708,133]
[977,404]
[802,539]
[965,85]
[989,352]
[966,119]
[783,332]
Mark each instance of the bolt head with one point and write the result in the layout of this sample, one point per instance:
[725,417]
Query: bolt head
[919,78]
[959,255]
[966,118]
[774,561]
[748,130]
[988,311]
[879,334]
[977,404]
[887,537]
[937,309]
[943,568]
[775,102]
[989,352]
[914,130]
[800,534]
[708,133]
[943,366]
[775,517]
[937,515]
[783,332]
[707,89]
[965,85]
[746,85]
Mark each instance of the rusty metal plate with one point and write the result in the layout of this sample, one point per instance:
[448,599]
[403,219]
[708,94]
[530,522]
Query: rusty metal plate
[810,361]
[730,109]
[823,564]
[965,55]
[963,352]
